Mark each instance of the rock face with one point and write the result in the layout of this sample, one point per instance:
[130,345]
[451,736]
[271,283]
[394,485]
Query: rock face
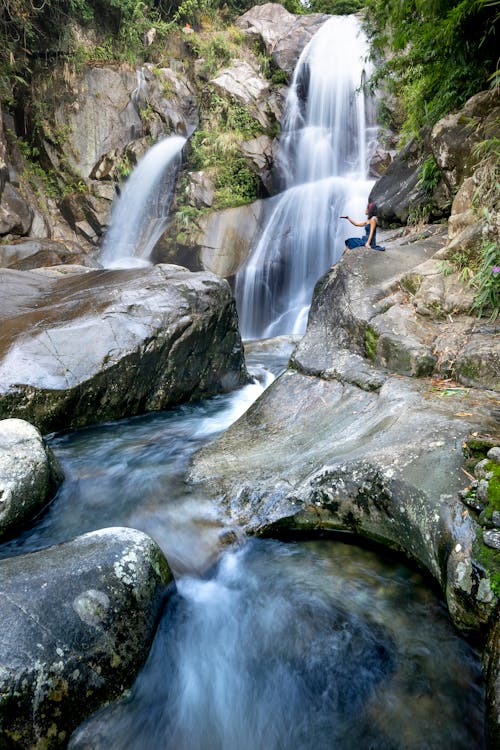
[24,255]
[345,438]
[92,345]
[244,84]
[77,623]
[109,108]
[454,137]
[283,34]
[401,195]
[225,237]
[29,474]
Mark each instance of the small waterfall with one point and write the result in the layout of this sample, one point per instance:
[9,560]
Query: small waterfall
[140,214]
[325,146]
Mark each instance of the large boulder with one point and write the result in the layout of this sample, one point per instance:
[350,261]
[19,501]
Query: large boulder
[89,345]
[29,474]
[77,622]
[283,34]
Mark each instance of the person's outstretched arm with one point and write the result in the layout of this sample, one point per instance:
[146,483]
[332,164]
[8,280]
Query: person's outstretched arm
[356,223]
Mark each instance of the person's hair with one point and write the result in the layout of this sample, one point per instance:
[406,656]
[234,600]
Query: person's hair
[372,210]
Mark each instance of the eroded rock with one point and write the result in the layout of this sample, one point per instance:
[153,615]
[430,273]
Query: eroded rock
[29,474]
[77,623]
[91,345]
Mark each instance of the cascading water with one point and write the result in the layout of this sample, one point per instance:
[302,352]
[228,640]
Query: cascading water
[327,130]
[140,214]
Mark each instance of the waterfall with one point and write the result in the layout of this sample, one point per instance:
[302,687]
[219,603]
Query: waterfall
[325,146]
[140,213]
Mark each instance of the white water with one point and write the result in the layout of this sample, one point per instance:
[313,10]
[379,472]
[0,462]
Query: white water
[327,134]
[140,214]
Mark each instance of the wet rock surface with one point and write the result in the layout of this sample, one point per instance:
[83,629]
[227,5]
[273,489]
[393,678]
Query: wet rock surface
[77,622]
[85,346]
[29,474]
[345,438]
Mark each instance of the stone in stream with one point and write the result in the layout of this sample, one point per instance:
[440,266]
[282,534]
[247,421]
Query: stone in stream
[77,621]
[79,346]
[29,474]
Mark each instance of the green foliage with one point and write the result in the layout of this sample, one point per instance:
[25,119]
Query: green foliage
[442,52]
[44,184]
[486,280]
[235,183]
[336,7]
[271,71]
[429,175]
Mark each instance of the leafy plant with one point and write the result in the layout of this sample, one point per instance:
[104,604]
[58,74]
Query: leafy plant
[429,175]
[441,52]
[487,281]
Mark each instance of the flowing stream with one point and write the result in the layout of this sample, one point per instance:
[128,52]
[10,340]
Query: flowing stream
[269,646]
[328,131]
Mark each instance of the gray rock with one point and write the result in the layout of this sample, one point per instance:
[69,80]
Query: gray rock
[492,539]
[85,347]
[225,237]
[494,454]
[101,117]
[77,621]
[29,474]
[398,193]
[28,254]
[319,454]
[359,307]
[261,153]
[16,215]
[171,95]
[478,363]
[480,470]
[283,34]
[200,189]
[453,138]
[339,442]
[482,490]
[495,517]
[244,84]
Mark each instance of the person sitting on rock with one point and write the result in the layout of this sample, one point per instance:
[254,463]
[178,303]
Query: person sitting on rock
[369,239]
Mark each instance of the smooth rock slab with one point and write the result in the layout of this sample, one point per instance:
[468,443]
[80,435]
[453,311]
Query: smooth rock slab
[95,345]
[77,621]
[29,474]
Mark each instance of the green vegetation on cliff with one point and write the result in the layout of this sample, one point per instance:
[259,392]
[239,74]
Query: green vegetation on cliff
[441,52]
